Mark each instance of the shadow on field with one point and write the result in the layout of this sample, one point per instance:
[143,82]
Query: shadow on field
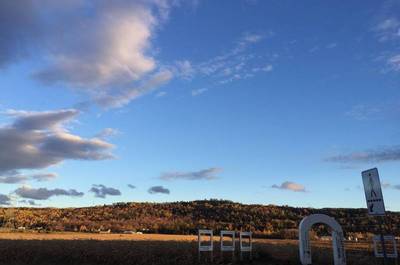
[120,252]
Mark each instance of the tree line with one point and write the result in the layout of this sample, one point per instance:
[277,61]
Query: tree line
[269,221]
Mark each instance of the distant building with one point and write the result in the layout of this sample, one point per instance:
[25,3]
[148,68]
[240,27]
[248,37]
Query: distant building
[325,238]
[105,232]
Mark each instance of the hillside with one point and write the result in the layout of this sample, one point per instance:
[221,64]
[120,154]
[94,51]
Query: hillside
[186,217]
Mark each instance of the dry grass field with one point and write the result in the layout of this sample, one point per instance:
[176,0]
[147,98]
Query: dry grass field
[87,249]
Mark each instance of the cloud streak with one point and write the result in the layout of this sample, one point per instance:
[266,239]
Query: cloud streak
[13,177]
[387,29]
[44,177]
[204,174]
[384,154]
[387,185]
[44,193]
[29,202]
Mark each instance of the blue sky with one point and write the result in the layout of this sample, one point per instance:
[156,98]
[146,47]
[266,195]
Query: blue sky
[270,102]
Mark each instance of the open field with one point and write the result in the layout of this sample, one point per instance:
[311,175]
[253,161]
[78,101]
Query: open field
[85,248]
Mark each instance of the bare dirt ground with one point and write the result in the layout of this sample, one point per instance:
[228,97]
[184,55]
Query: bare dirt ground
[154,249]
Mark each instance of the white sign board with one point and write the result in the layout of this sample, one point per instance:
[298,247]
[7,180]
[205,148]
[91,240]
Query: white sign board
[230,247]
[373,192]
[390,247]
[206,233]
[245,247]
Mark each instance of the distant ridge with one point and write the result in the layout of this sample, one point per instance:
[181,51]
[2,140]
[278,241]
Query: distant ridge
[186,217]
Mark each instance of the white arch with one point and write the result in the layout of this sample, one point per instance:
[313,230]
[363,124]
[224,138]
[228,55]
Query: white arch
[337,238]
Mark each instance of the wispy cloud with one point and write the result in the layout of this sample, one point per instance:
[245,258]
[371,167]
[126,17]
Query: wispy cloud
[292,186]
[14,177]
[387,29]
[394,62]
[383,154]
[161,94]
[158,189]
[238,63]
[197,92]
[387,185]
[267,68]
[204,174]
[107,133]
[363,112]
[184,69]
[44,176]
[44,193]
[331,45]
[29,202]
[101,191]
[126,95]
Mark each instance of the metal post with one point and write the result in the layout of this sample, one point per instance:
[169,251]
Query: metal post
[198,240]
[381,223]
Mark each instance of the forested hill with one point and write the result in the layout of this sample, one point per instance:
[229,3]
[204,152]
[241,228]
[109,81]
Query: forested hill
[187,217]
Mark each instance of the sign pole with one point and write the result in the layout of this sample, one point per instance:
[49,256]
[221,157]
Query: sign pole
[381,223]
[375,203]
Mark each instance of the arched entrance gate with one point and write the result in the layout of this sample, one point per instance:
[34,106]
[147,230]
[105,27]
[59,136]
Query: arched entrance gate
[337,238]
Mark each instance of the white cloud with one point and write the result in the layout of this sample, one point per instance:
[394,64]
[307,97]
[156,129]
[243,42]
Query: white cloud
[292,186]
[37,140]
[101,47]
[158,189]
[101,191]
[111,51]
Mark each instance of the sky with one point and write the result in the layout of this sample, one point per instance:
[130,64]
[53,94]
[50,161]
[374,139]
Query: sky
[260,102]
